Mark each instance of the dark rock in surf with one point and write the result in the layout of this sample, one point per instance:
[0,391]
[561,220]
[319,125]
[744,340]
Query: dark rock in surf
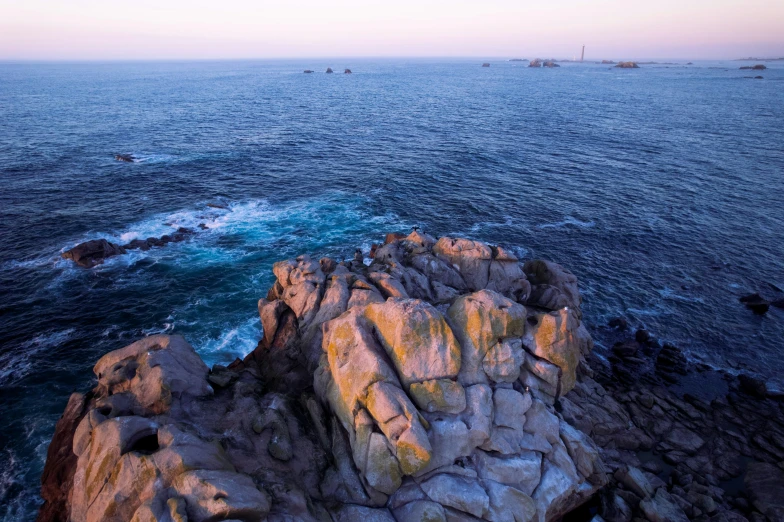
[138,244]
[536,62]
[753,386]
[550,64]
[329,70]
[93,252]
[642,336]
[627,65]
[128,158]
[485,64]
[308,71]
[203,226]
[756,303]
[619,323]
[347,71]
[758,67]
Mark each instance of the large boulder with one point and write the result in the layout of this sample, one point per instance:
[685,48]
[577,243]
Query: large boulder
[93,252]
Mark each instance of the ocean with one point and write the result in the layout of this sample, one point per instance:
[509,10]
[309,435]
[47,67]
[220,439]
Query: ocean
[661,188]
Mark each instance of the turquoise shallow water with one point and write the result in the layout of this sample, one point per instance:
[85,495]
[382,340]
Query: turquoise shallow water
[661,188]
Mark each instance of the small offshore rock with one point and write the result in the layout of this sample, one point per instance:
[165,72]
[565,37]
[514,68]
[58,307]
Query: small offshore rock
[642,336]
[627,65]
[536,62]
[485,64]
[752,385]
[550,64]
[93,252]
[329,70]
[756,303]
[307,71]
[619,323]
[347,71]
[128,158]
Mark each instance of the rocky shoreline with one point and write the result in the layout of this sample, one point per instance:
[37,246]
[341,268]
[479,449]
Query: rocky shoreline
[445,381]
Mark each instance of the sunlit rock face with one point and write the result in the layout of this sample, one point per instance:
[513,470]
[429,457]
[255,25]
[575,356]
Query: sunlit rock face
[419,387]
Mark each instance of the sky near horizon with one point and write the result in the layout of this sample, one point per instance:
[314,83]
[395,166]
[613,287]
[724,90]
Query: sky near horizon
[232,29]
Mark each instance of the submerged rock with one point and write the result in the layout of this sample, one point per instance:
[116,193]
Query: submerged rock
[128,158]
[423,385]
[756,303]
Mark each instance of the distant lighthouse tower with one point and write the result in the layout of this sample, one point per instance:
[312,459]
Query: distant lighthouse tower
[582,56]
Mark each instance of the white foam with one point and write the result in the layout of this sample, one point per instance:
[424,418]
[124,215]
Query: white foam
[236,340]
[17,363]
[568,222]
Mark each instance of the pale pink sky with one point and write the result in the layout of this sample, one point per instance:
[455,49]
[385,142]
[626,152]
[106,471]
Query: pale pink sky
[200,29]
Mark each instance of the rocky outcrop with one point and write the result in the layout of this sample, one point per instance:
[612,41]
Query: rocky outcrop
[758,67]
[96,251]
[93,252]
[680,440]
[536,62]
[425,386]
[127,158]
[627,65]
[329,70]
[550,64]
[756,303]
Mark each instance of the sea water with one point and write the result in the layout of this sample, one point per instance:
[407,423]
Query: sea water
[661,188]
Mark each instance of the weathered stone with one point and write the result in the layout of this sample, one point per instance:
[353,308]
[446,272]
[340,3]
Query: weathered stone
[552,286]
[634,479]
[510,407]
[156,370]
[439,395]
[558,338]
[479,320]
[353,513]
[458,493]
[420,511]
[508,504]
[502,362]
[417,339]
[91,253]
[522,471]
[662,508]
[685,440]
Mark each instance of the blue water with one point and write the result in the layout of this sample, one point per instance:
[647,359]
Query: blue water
[662,188]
